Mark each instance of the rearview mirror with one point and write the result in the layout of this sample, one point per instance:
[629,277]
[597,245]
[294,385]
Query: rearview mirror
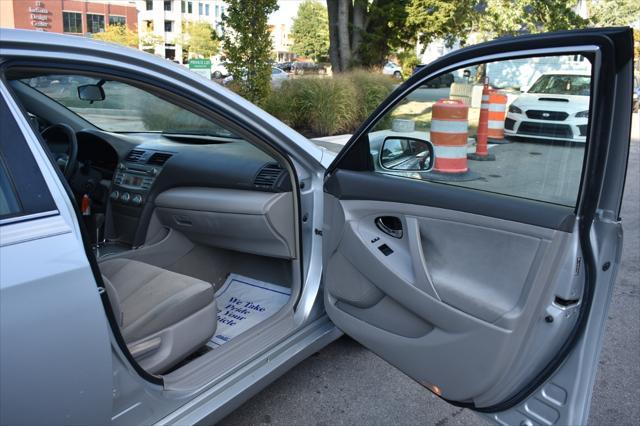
[91,92]
[400,153]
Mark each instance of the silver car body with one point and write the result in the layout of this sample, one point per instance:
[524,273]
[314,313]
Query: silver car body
[59,358]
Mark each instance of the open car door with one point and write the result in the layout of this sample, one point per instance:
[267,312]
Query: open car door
[485,272]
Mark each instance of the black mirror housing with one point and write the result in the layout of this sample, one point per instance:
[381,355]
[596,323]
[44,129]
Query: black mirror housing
[91,92]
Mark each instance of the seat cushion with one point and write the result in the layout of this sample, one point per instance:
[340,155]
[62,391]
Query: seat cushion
[151,299]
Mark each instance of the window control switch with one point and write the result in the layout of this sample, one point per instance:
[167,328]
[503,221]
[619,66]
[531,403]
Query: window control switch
[385,249]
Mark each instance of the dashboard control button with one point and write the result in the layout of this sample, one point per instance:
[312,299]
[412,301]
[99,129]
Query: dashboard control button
[114,195]
[137,199]
[125,197]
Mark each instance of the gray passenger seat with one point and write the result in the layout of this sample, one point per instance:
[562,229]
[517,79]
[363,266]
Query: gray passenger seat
[163,316]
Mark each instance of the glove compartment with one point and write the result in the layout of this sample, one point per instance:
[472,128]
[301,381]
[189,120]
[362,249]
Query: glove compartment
[246,221]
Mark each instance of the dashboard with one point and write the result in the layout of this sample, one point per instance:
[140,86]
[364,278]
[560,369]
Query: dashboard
[133,168]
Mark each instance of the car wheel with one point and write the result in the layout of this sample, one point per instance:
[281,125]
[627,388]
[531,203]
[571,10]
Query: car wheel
[217,74]
[397,75]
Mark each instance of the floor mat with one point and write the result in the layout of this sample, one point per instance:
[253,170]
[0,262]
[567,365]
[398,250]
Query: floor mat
[243,303]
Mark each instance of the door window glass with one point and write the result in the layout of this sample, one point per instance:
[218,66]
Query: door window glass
[8,202]
[514,127]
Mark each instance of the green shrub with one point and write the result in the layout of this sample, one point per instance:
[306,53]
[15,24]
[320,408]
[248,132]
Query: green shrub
[372,89]
[408,61]
[328,106]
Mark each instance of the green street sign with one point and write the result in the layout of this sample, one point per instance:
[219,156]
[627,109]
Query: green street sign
[199,64]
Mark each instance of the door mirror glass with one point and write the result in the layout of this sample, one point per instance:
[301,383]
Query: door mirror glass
[400,153]
[91,92]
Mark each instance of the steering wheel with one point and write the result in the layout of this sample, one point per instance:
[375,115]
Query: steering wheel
[62,134]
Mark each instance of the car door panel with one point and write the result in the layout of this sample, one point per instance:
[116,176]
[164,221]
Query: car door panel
[54,340]
[487,299]
[475,308]
[356,185]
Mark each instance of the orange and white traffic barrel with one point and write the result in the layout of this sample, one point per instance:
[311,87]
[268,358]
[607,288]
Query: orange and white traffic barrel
[449,130]
[482,148]
[497,111]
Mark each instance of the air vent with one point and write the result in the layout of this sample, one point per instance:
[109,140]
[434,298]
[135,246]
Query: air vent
[159,158]
[268,176]
[134,156]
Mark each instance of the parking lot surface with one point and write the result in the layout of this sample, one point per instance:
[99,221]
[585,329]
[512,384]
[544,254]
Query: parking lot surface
[346,384]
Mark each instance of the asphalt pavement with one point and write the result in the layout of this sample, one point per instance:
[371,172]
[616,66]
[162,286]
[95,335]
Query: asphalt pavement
[346,384]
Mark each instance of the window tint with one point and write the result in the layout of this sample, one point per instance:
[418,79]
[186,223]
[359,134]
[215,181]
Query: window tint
[514,127]
[8,202]
[23,191]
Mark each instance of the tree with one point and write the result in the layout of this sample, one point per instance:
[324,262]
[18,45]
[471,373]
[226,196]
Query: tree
[247,42]
[605,13]
[443,19]
[148,39]
[386,31]
[199,38]
[364,32]
[310,31]
[119,34]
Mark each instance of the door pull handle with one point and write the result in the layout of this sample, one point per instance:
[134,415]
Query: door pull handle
[390,225]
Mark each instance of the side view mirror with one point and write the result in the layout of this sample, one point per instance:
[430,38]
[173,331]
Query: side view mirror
[405,154]
[91,92]
[524,89]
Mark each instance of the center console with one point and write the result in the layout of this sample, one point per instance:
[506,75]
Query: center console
[132,182]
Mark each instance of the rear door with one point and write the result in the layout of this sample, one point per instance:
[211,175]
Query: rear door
[55,352]
[484,272]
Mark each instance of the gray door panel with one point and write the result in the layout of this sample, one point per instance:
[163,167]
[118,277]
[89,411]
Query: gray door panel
[495,302]
[455,284]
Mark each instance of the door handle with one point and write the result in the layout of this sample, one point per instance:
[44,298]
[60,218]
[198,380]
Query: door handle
[418,261]
[390,225]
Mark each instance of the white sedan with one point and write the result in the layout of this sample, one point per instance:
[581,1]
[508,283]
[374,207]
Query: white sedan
[555,107]
[392,69]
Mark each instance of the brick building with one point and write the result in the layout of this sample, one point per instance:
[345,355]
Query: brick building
[80,17]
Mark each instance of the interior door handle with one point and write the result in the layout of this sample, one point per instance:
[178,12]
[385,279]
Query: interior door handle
[390,225]
[418,261]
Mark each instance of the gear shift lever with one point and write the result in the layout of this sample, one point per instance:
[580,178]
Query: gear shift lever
[98,223]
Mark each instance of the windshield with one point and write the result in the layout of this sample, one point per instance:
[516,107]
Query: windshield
[562,84]
[125,108]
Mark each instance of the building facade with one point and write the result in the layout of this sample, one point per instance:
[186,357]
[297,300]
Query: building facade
[280,24]
[163,19]
[78,17]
